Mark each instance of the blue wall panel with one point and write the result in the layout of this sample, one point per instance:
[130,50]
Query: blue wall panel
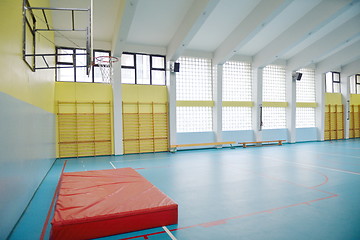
[306,134]
[239,136]
[27,151]
[274,134]
[195,137]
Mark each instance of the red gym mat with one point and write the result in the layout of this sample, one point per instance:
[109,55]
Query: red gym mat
[100,203]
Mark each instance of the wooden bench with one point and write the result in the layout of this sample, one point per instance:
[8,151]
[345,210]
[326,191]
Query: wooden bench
[173,148]
[276,142]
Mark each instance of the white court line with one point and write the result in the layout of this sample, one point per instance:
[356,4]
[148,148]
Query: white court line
[169,233]
[332,169]
[112,165]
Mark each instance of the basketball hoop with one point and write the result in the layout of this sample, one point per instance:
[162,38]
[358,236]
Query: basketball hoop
[106,67]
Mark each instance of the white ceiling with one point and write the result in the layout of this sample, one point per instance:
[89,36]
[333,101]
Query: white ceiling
[299,32]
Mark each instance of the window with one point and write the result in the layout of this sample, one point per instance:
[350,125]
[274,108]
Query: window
[274,117]
[71,65]
[137,68]
[274,90]
[194,119]
[236,87]
[194,81]
[236,118]
[194,84]
[237,81]
[332,82]
[305,89]
[305,117]
[355,84]
[274,84]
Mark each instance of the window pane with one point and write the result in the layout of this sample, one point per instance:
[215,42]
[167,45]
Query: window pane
[143,69]
[336,77]
[101,53]
[81,75]
[97,75]
[236,118]
[328,82]
[237,81]
[65,74]
[336,87]
[305,89]
[274,88]
[274,117]
[127,60]
[66,58]
[352,85]
[358,88]
[128,75]
[80,59]
[194,81]
[158,77]
[357,78]
[305,117]
[158,62]
[194,119]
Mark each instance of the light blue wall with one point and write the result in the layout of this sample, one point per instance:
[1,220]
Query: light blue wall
[306,134]
[239,136]
[274,134]
[27,151]
[195,137]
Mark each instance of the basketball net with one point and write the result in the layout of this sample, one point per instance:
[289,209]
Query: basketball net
[105,64]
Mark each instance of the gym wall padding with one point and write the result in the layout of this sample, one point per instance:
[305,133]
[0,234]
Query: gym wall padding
[27,129]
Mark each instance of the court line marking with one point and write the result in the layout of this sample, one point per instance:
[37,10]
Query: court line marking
[314,166]
[169,233]
[112,165]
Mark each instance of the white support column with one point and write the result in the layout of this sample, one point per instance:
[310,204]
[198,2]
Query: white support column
[171,86]
[345,91]
[291,109]
[217,97]
[117,109]
[320,99]
[257,99]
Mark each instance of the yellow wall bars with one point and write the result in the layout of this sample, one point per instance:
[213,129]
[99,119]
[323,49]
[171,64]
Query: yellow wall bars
[84,119]
[145,119]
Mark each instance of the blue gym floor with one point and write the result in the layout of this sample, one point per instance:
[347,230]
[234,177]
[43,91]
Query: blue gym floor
[295,191]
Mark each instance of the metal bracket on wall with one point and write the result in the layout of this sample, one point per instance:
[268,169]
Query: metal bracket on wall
[35,27]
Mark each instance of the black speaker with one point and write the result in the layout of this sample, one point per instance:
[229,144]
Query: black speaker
[176,67]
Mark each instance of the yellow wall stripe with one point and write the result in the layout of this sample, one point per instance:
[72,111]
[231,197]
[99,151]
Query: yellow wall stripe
[307,104]
[237,104]
[195,103]
[275,104]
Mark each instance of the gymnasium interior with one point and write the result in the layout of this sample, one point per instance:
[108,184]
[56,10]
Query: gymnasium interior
[180,119]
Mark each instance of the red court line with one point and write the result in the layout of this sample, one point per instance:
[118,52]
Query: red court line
[52,204]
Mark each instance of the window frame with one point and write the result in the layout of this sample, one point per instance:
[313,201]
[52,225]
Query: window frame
[333,81]
[73,64]
[151,68]
[355,84]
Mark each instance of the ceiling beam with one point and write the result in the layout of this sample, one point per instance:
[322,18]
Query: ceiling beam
[125,17]
[351,68]
[312,21]
[262,14]
[194,19]
[341,58]
[339,36]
